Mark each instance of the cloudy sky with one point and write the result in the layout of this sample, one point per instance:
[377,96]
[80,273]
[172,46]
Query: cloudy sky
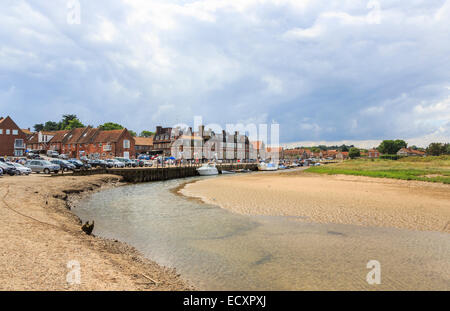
[324,70]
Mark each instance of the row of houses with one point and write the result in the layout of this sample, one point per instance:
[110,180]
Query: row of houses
[167,141]
[88,141]
[340,155]
[207,144]
[95,143]
[302,154]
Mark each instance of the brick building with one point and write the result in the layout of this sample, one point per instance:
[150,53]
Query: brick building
[373,153]
[12,138]
[143,145]
[88,141]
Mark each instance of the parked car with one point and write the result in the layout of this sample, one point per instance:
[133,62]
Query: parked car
[1,171]
[63,156]
[64,165]
[116,163]
[43,166]
[79,165]
[52,153]
[127,162]
[9,169]
[100,163]
[147,163]
[138,163]
[23,170]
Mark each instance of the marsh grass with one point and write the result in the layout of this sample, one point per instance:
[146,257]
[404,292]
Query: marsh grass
[431,169]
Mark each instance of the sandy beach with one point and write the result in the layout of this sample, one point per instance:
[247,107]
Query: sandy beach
[39,235]
[339,199]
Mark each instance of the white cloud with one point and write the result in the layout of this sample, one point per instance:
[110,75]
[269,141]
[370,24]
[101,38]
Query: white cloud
[324,62]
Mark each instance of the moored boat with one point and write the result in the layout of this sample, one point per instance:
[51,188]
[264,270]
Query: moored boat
[263,166]
[208,169]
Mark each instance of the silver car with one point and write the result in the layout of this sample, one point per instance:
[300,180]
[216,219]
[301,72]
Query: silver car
[23,170]
[44,166]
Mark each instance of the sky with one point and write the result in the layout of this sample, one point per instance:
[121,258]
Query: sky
[325,71]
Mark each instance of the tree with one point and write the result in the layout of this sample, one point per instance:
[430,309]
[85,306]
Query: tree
[75,123]
[133,133]
[146,134]
[109,126]
[344,148]
[436,149]
[447,148]
[391,146]
[51,126]
[38,127]
[64,123]
[354,153]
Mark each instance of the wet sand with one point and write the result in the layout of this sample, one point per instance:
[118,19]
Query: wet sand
[336,199]
[39,235]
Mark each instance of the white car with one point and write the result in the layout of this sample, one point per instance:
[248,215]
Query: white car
[22,169]
[116,163]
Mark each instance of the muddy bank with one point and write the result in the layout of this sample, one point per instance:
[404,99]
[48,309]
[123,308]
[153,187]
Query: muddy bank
[40,235]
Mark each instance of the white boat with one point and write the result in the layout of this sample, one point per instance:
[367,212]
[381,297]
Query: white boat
[263,166]
[208,170]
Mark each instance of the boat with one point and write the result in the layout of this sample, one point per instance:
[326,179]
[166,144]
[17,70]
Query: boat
[263,166]
[228,172]
[208,169]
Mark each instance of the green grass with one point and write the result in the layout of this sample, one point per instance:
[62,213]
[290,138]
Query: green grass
[431,169]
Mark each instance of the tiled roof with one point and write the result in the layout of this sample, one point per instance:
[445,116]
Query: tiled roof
[88,135]
[143,141]
[75,135]
[33,139]
[108,136]
[412,151]
[59,136]
[27,131]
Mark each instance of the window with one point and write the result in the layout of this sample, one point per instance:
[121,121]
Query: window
[1,131]
[126,143]
[18,153]
[8,132]
[18,143]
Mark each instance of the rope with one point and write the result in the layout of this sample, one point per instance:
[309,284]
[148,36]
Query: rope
[21,214]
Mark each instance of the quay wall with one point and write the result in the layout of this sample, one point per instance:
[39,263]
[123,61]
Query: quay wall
[146,174]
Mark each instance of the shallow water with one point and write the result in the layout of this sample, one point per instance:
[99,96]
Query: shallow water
[215,249]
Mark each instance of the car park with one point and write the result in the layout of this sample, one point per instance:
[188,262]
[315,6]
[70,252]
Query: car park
[64,165]
[42,166]
[23,170]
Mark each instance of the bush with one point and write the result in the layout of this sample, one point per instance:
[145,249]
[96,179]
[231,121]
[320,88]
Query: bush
[393,157]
